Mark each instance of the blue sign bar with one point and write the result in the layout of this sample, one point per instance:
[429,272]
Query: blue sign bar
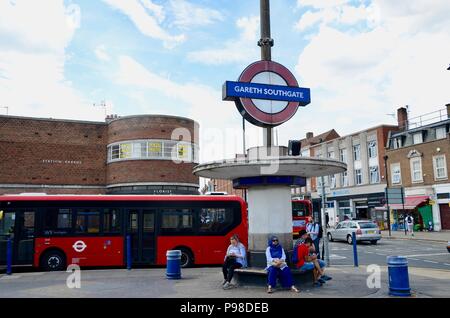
[233,90]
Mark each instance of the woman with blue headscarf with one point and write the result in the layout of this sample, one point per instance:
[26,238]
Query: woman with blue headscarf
[276,266]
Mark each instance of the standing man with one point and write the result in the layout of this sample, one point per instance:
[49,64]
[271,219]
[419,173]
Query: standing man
[313,228]
[410,224]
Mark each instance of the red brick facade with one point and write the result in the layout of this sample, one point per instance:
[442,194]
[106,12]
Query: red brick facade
[66,156]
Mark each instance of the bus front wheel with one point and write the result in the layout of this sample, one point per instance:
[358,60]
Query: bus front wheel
[53,261]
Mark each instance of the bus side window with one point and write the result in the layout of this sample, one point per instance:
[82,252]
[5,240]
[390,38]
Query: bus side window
[111,221]
[87,221]
[57,221]
[215,219]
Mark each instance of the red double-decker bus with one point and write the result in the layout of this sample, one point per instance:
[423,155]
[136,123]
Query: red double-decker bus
[53,231]
[301,210]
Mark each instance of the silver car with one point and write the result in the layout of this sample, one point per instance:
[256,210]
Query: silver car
[366,230]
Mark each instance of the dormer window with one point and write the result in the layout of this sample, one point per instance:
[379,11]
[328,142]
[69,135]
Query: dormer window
[441,133]
[418,138]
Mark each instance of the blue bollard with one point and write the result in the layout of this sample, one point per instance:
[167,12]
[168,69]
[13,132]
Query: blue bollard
[173,264]
[128,252]
[398,276]
[355,251]
[9,257]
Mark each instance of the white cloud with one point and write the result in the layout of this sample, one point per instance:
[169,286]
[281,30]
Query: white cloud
[100,52]
[147,24]
[236,50]
[187,15]
[33,39]
[344,14]
[365,75]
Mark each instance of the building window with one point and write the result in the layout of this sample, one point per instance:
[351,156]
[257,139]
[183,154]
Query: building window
[305,153]
[416,170]
[125,151]
[358,176]
[374,174]
[331,154]
[343,155]
[397,142]
[396,175]
[440,167]
[153,149]
[357,152]
[373,149]
[344,179]
[441,133]
[115,152]
[418,138]
[332,179]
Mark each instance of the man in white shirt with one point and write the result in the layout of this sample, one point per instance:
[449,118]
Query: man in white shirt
[312,228]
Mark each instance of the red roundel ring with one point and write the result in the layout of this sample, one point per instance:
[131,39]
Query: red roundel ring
[252,113]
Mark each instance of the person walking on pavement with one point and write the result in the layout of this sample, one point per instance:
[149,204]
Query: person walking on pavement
[410,224]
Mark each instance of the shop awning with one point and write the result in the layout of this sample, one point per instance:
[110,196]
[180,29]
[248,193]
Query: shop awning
[410,203]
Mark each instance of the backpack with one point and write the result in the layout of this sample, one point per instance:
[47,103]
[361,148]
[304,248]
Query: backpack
[320,235]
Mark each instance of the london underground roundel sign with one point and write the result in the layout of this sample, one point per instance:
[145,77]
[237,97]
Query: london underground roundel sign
[266,94]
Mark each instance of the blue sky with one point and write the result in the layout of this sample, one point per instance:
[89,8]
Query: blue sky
[362,60]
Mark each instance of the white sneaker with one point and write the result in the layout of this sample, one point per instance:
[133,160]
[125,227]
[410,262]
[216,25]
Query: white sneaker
[226,285]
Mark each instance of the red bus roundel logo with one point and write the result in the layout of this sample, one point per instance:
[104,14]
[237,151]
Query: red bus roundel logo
[265,112]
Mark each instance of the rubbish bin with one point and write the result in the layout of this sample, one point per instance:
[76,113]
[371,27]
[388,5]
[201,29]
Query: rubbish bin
[173,264]
[398,276]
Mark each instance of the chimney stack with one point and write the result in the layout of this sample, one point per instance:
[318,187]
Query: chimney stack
[402,118]
[309,135]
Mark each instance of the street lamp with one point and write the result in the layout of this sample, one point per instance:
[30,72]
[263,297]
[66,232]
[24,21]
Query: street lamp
[386,192]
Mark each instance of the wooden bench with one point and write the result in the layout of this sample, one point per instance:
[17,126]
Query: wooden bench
[252,276]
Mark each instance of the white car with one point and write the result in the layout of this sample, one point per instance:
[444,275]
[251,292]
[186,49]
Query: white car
[366,230]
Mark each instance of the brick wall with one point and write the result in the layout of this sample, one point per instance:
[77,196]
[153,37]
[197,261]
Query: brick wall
[52,152]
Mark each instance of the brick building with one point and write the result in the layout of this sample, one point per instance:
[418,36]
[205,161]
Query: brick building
[145,154]
[418,162]
[357,192]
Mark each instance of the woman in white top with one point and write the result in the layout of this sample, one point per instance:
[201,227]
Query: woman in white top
[276,266]
[235,258]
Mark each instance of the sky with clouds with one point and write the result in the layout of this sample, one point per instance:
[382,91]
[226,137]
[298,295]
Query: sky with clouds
[362,60]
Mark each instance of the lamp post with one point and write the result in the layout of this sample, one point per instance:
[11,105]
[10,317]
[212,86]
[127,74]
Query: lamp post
[386,192]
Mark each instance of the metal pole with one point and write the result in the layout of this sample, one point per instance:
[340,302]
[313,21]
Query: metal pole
[324,228]
[387,195]
[355,251]
[9,257]
[243,136]
[403,205]
[266,43]
[128,252]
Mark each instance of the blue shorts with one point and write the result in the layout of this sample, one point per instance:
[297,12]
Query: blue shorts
[310,265]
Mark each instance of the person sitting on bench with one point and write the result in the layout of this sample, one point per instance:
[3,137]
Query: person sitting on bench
[307,262]
[276,266]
